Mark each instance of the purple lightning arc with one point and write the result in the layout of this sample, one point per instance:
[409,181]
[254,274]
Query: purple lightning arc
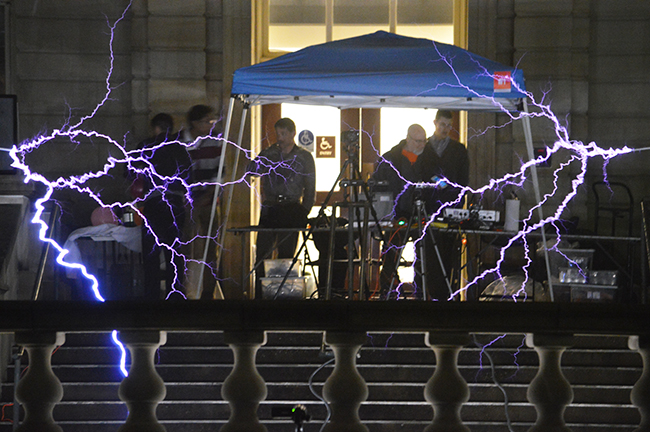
[137,162]
[580,154]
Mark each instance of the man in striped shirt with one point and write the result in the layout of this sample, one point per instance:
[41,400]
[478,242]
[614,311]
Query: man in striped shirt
[205,150]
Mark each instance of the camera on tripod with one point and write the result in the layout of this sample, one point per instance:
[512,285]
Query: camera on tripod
[350,141]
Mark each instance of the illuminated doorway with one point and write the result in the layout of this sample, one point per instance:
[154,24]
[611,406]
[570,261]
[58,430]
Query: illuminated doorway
[290,25]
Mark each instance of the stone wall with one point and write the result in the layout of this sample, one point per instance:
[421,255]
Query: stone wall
[619,91]
[60,60]
[589,61]
[168,56]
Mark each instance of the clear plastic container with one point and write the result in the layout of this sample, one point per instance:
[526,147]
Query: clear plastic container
[578,259]
[572,275]
[280,267]
[592,293]
[293,288]
[603,277]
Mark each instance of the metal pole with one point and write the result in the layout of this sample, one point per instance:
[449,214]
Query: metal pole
[351,248]
[233,175]
[423,250]
[538,197]
[364,254]
[215,198]
[44,254]
[330,256]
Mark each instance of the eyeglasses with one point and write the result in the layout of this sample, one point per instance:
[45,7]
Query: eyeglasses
[419,141]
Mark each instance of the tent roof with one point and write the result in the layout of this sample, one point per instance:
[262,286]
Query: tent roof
[382,70]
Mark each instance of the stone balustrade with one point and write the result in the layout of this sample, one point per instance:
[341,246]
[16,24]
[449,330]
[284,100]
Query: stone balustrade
[39,327]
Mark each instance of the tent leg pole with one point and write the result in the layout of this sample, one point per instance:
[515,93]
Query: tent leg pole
[215,198]
[226,215]
[538,196]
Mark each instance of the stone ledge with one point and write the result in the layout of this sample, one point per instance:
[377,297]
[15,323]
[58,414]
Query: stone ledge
[505,317]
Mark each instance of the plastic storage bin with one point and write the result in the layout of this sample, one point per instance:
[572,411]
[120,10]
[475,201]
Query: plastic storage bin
[293,288]
[593,293]
[581,293]
[279,267]
[603,277]
[575,258]
[572,275]
[573,264]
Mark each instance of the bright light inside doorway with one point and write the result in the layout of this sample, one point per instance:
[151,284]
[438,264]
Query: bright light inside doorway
[321,121]
[396,121]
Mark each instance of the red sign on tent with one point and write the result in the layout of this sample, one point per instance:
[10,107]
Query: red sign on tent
[502,82]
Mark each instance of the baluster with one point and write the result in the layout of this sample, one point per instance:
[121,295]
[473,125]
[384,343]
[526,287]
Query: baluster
[244,388]
[39,390]
[549,391]
[640,395]
[446,390]
[143,389]
[345,388]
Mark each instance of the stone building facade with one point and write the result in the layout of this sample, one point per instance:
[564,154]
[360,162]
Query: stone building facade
[588,58]
[589,61]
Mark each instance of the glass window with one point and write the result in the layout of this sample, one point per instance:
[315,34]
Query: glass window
[354,18]
[297,11]
[361,12]
[295,24]
[429,19]
[425,12]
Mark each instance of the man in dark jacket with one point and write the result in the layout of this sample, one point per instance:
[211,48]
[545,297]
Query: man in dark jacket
[288,177]
[404,164]
[448,161]
[418,160]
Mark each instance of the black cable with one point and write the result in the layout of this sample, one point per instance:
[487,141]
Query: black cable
[496,381]
[319,397]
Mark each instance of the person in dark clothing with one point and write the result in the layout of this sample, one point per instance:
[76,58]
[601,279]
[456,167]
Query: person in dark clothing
[448,161]
[205,151]
[406,162]
[164,206]
[428,161]
[288,176]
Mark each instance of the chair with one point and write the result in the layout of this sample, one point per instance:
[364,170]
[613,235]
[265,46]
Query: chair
[614,199]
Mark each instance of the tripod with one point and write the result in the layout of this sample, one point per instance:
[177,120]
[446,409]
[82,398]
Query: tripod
[350,142]
[419,216]
[350,139]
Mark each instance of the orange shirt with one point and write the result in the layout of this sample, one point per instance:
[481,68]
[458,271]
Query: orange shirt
[412,157]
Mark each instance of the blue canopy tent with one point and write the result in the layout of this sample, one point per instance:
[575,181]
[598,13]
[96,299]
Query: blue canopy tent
[381,70]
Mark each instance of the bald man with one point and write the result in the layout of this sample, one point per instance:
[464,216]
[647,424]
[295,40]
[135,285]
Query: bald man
[408,161]
[405,160]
